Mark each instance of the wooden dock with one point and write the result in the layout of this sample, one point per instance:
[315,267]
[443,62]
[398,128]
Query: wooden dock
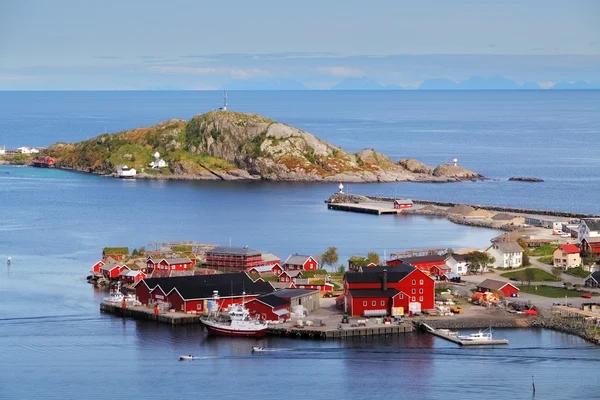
[147,314]
[377,208]
[443,333]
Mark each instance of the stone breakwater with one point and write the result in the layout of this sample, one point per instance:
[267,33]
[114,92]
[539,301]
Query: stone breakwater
[478,323]
[570,326]
[351,198]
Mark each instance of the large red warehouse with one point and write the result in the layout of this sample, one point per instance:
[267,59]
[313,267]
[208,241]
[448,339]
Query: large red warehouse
[233,258]
[379,289]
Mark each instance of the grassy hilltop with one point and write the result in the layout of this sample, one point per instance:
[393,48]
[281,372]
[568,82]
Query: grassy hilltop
[230,145]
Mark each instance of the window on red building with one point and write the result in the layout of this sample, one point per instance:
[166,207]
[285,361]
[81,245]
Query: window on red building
[414,282]
[374,303]
[420,291]
[364,303]
[414,291]
[421,282]
[382,303]
[420,298]
[413,298]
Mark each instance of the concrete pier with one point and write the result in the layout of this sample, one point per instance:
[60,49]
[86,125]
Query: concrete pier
[366,208]
[342,332]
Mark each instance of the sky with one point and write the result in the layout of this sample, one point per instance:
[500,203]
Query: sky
[180,44]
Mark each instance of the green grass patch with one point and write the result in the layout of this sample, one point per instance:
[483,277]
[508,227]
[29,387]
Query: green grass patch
[545,250]
[311,274]
[577,271]
[551,291]
[546,259]
[539,275]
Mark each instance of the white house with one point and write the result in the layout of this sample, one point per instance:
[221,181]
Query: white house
[158,164]
[589,228]
[125,172]
[33,150]
[507,254]
[2,150]
[457,263]
[24,150]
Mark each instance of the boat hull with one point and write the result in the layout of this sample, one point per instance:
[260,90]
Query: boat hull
[225,331]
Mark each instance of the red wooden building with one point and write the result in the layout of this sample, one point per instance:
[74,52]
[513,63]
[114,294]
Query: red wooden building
[96,268]
[116,253]
[269,308]
[311,284]
[112,271]
[168,264]
[379,289]
[272,269]
[403,204]
[193,293]
[233,258]
[505,288]
[297,261]
[131,276]
[591,244]
[289,276]
[439,270]
[43,161]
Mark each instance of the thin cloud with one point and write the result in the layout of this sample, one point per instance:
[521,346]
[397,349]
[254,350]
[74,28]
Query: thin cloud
[177,70]
[15,77]
[345,72]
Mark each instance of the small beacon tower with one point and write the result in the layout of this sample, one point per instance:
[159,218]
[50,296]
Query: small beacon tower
[455,161]
[341,187]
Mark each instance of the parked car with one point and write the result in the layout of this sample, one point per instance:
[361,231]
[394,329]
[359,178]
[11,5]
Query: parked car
[513,278]
[587,295]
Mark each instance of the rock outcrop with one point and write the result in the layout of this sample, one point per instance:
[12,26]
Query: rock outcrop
[225,145]
[525,179]
[415,166]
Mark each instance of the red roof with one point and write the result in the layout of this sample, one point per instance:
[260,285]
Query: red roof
[570,248]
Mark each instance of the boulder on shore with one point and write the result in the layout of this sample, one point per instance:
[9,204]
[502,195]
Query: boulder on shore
[455,171]
[415,166]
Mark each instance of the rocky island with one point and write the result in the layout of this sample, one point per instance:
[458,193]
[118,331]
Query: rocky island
[226,145]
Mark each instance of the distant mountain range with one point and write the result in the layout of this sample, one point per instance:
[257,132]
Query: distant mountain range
[364,83]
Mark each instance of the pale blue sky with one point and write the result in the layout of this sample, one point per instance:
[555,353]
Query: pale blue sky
[68,44]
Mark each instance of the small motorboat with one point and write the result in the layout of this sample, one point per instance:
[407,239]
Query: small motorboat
[256,349]
[189,357]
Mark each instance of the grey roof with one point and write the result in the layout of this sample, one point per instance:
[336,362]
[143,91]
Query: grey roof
[494,284]
[509,247]
[302,282]
[296,259]
[293,293]
[281,312]
[270,257]
[403,201]
[595,276]
[108,267]
[236,251]
[272,300]
[130,272]
[263,268]
[293,273]
[459,257]
[451,275]
[593,224]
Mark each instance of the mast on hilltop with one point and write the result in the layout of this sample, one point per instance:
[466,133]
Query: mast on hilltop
[224,108]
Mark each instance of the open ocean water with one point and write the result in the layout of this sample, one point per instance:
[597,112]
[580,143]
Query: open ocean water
[54,343]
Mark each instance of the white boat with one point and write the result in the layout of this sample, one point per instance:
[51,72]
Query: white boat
[184,358]
[115,295]
[481,336]
[256,349]
[238,324]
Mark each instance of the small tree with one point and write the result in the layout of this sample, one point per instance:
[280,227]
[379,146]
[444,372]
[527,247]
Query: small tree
[526,261]
[135,253]
[478,261]
[523,245]
[520,275]
[330,257]
[341,269]
[557,272]
[529,275]
[373,257]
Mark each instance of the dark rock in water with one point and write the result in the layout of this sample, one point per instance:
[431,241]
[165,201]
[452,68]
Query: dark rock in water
[525,179]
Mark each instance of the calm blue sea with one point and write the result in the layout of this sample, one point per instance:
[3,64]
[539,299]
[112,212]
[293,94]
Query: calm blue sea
[54,343]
